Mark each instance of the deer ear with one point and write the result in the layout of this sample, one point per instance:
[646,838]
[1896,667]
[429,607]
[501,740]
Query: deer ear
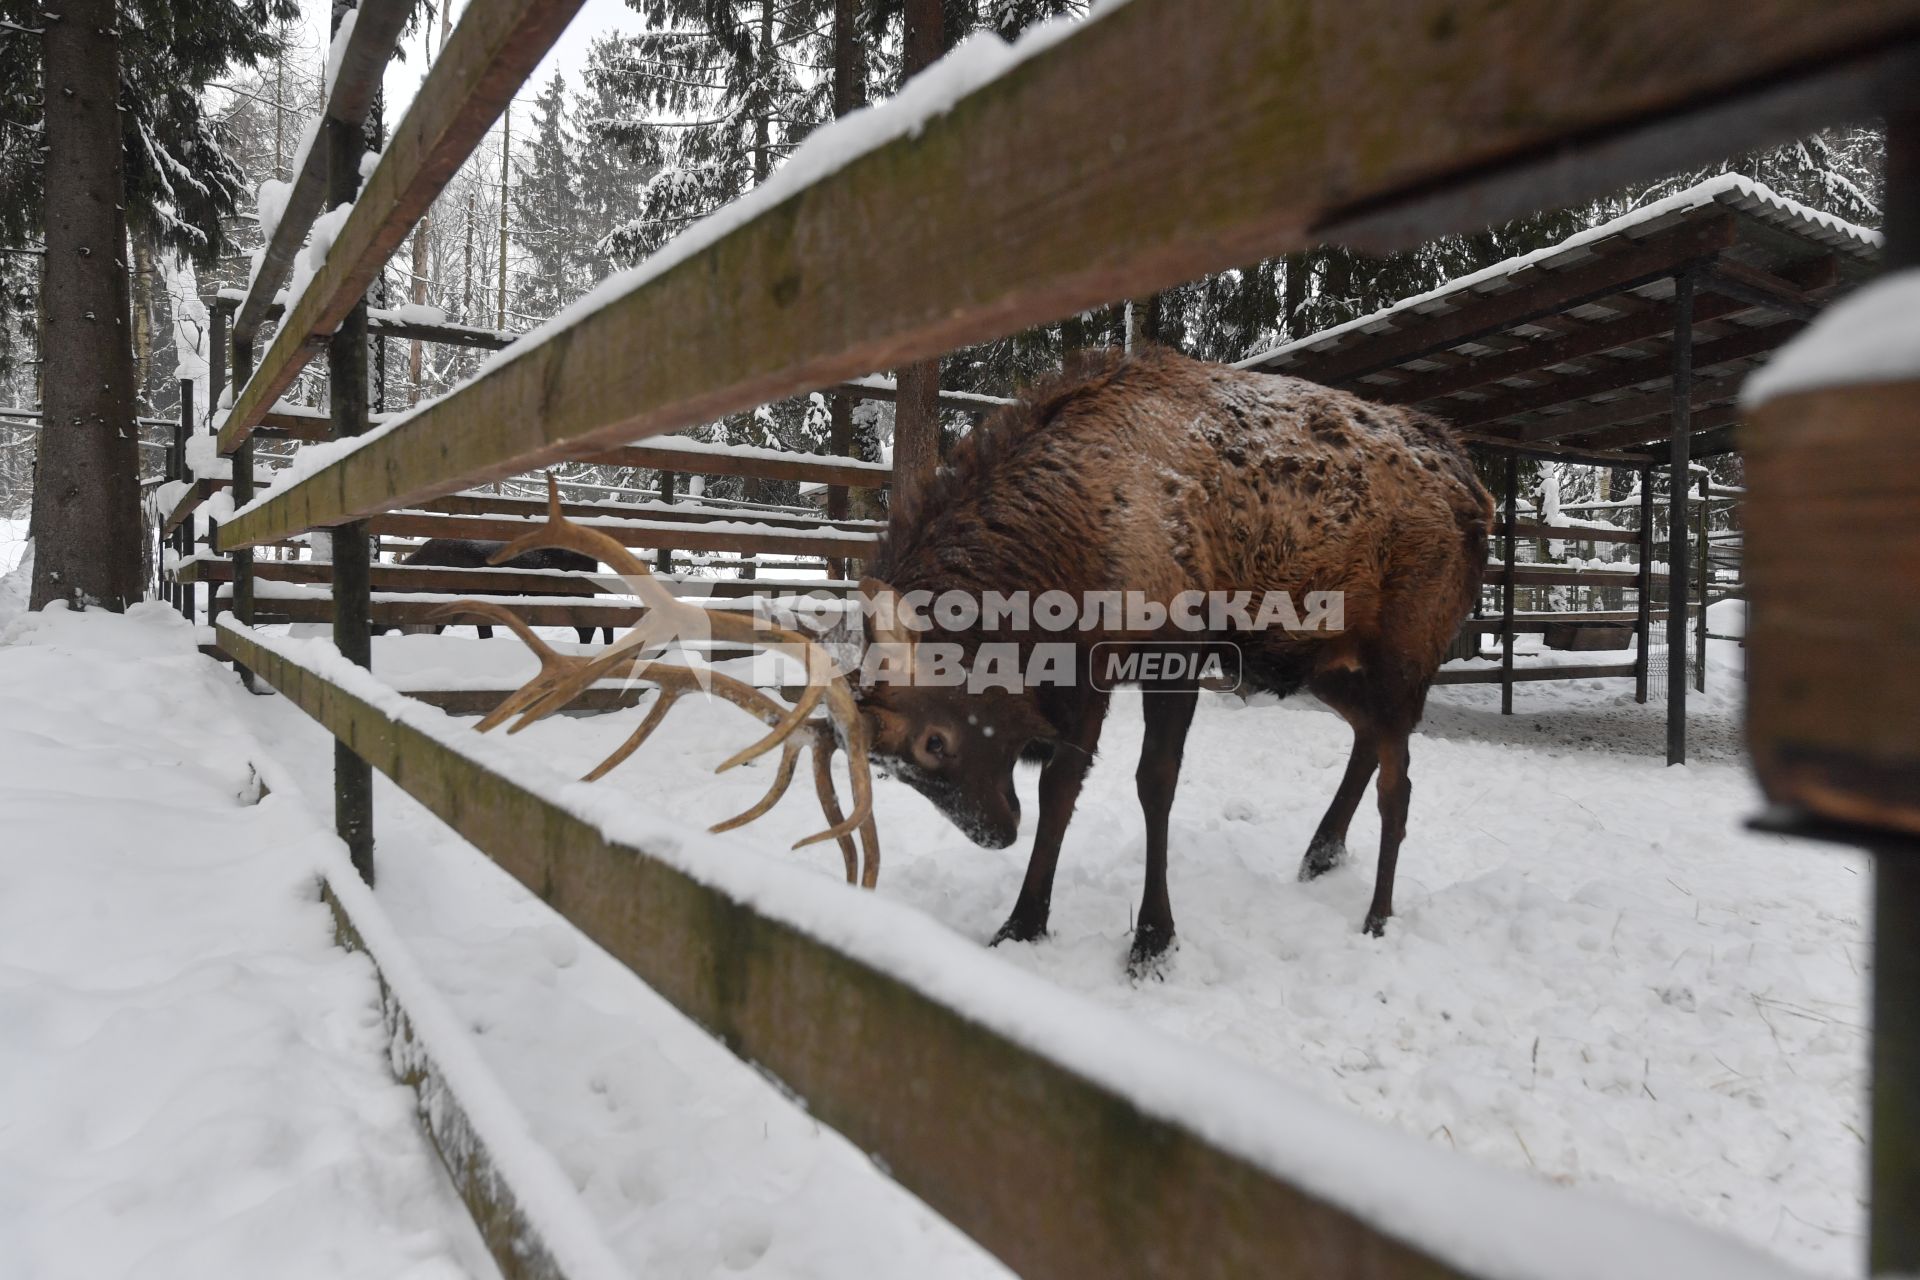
[889,617]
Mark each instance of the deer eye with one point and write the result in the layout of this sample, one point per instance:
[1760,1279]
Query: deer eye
[935,745]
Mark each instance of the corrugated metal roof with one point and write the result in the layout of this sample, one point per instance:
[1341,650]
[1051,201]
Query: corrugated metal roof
[1735,191]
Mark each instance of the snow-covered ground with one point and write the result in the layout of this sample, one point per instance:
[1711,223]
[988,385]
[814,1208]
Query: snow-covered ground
[193,1078]
[1596,976]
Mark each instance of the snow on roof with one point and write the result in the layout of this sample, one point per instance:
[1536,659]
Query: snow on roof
[1734,190]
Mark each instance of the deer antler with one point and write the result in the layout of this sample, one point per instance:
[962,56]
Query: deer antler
[562,678]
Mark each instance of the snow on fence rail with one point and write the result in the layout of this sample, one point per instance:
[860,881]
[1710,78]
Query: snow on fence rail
[1092,1145]
[840,264]
[493,49]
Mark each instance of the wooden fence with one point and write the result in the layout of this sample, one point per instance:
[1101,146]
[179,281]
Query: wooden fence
[1157,141]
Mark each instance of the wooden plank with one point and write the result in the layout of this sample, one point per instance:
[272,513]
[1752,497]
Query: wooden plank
[884,389]
[491,52]
[1500,446]
[1562,575]
[631,533]
[1593,417]
[376,30]
[1833,715]
[474,1127]
[1044,1165]
[1659,430]
[1531,675]
[496,504]
[1253,141]
[1566,533]
[1620,375]
[398,577]
[478,702]
[694,457]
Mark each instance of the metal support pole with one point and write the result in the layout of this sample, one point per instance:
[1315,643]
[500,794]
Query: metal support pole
[1677,486]
[1507,585]
[840,445]
[352,571]
[663,556]
[1643,625]
[1702,584]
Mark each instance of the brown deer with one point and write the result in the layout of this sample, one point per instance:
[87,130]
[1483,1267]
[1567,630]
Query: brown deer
[1153,474]
[1161,475]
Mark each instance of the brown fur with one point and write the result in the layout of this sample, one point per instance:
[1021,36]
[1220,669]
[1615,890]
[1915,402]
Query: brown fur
[1159,474]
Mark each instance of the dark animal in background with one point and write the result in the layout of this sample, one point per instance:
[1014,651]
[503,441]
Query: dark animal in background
[1158,474]
[473,553]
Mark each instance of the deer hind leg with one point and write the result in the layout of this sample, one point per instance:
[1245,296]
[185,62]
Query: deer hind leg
[1328,848]
[1395,791]
[1168,714]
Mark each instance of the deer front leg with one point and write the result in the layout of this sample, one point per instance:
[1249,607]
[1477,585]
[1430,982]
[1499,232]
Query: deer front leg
[1060,781]
[1396,790]
[1168,713]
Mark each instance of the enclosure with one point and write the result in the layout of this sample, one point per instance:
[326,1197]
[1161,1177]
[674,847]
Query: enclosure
[1599,954]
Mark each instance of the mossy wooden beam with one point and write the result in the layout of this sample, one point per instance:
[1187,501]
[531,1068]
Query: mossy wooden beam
[1046,1168]
[492,51]
[1062,185]
[462,1109]
[681,536]
[376,30]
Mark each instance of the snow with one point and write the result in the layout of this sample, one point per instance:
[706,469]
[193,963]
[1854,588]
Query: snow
[1726,187]
[1727,618]
[419,313]
[972,65]
[1872,335]
[16,569]
[270,203]
[192,1079]
[1636,998]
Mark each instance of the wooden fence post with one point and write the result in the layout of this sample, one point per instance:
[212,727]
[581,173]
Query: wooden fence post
[1511,550]
[1677,526]
[1643,626]
[840,445]
[663,557]
[242,493]
[352,572]
[1703,585]
[176,469]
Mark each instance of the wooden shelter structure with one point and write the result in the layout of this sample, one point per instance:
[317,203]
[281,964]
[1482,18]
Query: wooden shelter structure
[1625,345]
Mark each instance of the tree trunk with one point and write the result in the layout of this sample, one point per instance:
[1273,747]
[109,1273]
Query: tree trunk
[86,498]
[916,411]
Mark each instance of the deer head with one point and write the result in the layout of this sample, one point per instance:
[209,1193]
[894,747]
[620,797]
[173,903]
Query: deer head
[957,748]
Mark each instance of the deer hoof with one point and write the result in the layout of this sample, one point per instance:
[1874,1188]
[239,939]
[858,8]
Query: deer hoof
[1151,945]
[1376,924]
[1019,929]
[1322,857]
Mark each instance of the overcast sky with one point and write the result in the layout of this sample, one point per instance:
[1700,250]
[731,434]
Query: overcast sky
[568,56]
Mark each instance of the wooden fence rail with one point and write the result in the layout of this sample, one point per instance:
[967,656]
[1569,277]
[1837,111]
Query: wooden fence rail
[1064,1138]
[1254,140]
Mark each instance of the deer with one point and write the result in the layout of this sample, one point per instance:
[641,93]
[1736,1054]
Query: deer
[1158,474]
[1151,474]
[475,553]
